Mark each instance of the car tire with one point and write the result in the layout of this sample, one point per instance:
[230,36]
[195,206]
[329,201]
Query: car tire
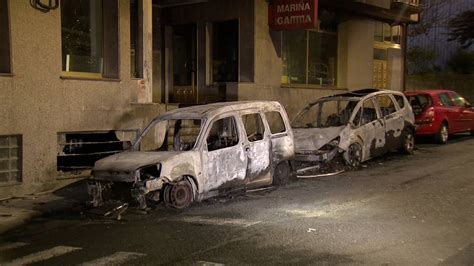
[178,195]
[281,174]
[408,142]
[442,135]
[354,156]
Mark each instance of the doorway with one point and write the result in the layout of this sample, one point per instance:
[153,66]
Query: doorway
[184,54]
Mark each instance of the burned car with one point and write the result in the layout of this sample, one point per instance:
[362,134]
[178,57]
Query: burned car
[197,152]
[354,126]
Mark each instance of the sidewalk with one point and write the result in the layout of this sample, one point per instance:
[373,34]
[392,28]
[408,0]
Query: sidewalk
[15,212]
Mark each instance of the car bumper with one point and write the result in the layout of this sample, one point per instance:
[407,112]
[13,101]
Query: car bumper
[138,190]
[426,129]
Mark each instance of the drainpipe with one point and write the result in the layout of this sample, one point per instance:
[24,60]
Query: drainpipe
[404,42]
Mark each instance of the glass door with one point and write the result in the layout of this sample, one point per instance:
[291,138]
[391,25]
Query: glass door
[184,64]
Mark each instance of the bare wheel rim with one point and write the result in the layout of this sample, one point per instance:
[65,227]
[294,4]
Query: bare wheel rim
[355,155]
[181,194]
[444,133]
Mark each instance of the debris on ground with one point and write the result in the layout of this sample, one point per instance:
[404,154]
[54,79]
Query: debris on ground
[310,230]
[119,210]
[321,169]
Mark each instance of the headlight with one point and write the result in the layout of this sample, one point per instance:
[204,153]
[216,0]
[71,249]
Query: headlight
[335,142]
[149,172]
[331,145]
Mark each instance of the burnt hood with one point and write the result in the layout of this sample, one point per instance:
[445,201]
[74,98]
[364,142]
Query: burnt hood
[131,161]
[314,138]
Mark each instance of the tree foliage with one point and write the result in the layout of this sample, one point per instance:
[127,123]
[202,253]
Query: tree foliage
[462,29]
[420,60]
[462,62]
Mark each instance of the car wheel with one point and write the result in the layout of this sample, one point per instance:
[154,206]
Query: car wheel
[178,195]
[442,136]
[354,156]
[281,174]
[408,142]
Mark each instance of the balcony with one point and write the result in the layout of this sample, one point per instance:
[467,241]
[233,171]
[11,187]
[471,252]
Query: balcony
[407,7]
[390,11]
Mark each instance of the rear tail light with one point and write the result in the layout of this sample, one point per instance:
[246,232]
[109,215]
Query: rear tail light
[428,116]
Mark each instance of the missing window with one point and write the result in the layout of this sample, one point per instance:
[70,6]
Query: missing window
[10,159]
[80,150]
[223,134]
[253,127]
[275,121]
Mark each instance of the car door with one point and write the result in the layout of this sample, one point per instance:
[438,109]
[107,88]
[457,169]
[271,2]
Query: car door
[224,158]
[451,111]
[257,145]
[466,113]
[281,136]
[370,129]
[393,121]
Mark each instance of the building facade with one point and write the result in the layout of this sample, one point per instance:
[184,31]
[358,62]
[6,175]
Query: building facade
[79,80]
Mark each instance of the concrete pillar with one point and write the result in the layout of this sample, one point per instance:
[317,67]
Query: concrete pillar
[355,54]
[146,86]
[395,69]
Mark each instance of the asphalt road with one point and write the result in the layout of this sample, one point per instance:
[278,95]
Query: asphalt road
[409,210]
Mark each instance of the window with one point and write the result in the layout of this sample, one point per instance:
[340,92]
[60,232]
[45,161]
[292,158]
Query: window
[136,38]
[386,33]
[253,127]
[171,135]
[369,112]
[400,100]
[458,100]
[80,150]
[5,60]
[380,54]
[87,49]
[10,159]
[387,106]
[223,134]
[225,51]
[308,117]
[445,99]
[330,113]
[309,57]
[275,121]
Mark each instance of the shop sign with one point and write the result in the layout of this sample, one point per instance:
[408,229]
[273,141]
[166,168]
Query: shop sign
[293,14]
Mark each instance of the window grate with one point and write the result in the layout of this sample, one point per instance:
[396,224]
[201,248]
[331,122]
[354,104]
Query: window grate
[80,150]
[10,159]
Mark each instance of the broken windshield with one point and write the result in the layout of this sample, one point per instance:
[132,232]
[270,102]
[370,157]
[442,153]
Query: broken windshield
[170,135]
[330,113]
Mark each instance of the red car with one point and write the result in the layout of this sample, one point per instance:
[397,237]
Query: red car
[440,113]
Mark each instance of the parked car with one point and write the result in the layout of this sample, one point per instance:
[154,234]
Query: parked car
[440,113]
[357,125]
[198,152]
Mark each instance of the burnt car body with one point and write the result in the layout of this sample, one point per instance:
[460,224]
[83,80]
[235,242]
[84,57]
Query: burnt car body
[197,152]
[440,113]
[357,125]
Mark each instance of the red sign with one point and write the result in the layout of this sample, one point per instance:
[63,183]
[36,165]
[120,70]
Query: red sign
[293,14]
